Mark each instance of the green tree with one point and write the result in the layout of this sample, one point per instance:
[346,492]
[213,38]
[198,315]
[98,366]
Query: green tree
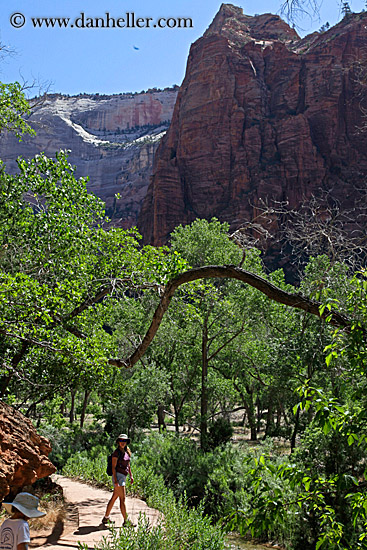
[346,9]
[327,472]
[57,266]
[14,108]
[203,243]
[132,398]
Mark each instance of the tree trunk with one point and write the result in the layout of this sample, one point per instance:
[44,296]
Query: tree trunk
[72,407]
[5,380]
[161,419]
[252,423]
[259,414]
[204,388]
[250,410]
[4,383]
[269,420]
[31,410]
[177,412]
[295,430]
[85,403]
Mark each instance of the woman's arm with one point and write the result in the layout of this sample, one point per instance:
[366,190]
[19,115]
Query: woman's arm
[22,546]
[130,474]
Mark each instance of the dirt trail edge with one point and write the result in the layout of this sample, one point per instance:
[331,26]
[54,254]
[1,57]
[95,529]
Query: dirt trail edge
[86,505]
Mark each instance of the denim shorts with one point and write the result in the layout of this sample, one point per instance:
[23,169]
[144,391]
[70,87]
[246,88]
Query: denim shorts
[121,479]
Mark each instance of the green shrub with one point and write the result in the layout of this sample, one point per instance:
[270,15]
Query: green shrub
[68,440]
[176,531]
[86,468]
[214,479]
[300,501]
[220,433]
[329,454]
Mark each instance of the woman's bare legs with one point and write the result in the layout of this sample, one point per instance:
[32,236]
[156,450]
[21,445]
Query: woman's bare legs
[118,492]
[122,497]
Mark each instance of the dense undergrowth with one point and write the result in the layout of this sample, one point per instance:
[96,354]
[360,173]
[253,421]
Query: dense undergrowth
[256,490]
[195,491]
[180,527]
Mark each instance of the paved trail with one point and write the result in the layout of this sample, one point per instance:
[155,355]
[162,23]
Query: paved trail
[87,506]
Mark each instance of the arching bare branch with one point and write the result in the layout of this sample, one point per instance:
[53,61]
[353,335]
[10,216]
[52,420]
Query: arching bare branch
[228,272]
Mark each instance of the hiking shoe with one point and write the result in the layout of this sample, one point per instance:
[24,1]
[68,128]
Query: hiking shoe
[107,521]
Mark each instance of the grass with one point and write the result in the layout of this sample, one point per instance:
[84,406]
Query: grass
[55,512]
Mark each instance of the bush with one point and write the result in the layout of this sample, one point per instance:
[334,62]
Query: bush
[214,480]
[69,440]
[340,465]
[329,454]
[83,466]
[220,433]
[178,529]
[301,501]
[252,489]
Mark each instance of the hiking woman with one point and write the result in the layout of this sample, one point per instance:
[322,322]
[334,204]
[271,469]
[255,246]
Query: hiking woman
[120,469]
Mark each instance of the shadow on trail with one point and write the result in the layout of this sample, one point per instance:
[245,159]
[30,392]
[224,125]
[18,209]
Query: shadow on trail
[89,529]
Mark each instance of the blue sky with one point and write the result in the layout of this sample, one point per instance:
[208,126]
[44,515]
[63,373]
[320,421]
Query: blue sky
[114,60]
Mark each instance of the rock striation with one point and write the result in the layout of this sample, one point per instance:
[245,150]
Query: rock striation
[262,116]
[23,453]
[112,139]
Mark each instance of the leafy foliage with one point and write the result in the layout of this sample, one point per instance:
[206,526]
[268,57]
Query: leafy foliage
[58,264]
[327,471]
[13,109]
[140,397]
[180,526]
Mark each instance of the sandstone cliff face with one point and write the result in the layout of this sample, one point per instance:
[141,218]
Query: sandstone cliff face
[261,116]
[112,140]
[23,453]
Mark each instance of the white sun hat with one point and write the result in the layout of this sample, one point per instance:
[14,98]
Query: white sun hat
[123,437]
[25,503]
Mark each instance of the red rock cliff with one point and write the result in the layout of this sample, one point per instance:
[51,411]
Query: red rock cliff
[261,114]
[23,453]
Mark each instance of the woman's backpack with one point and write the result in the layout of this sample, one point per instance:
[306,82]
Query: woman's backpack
[109,463]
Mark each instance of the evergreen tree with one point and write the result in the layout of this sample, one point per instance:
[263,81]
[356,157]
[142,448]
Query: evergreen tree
[346,9]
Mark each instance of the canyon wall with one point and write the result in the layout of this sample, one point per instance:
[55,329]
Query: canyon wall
[112,139]
[262,116]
